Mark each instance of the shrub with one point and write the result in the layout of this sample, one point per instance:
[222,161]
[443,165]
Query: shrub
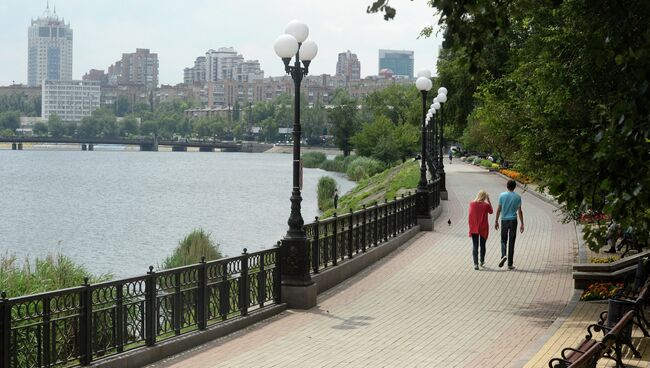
[325,190]
[190,250]
[495,166]
[363,167]
[600,291]
[486,163]
[313,159]
[332,165]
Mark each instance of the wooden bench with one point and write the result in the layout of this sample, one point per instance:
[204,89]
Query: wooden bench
[616,336]
[584,356]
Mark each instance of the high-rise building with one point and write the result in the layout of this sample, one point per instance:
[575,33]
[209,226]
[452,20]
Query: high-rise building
[49,49]
[96,75]
[348,66]
[400,62]
[70,100]
[222,64]
[139,68]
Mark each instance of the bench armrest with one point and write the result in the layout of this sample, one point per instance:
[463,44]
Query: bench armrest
[562,363]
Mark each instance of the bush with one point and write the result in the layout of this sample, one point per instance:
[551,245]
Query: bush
[363,167]
[332,165]
[50,273]
[190,250]
[495,166]
[486,163]
[313,159]
[325,190]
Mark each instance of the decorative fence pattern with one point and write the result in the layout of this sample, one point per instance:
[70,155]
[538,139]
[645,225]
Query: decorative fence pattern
[73,327]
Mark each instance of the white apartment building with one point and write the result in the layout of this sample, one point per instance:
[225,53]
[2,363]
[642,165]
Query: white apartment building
[49,49]
[70,100]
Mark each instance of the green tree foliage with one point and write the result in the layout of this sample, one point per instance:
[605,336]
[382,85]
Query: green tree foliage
[56,126]
[129,126]
[399,103]
[189,251]
[325,193]
[10,120]
[385,141]
[40,129]
[29,106]
[313,122]
[563,85]
[344,120]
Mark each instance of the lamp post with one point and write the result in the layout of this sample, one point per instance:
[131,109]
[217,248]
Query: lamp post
[423,214]
[298,289]
[431,140]
[442,98]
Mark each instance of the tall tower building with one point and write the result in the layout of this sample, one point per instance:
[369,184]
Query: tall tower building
[49,49]
[349,66]
[400,62]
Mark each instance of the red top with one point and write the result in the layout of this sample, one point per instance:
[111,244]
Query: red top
[478,218]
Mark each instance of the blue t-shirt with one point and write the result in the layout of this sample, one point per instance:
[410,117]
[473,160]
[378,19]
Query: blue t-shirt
[510,203]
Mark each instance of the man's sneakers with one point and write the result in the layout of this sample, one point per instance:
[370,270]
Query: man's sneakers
[476,267]
[503,261]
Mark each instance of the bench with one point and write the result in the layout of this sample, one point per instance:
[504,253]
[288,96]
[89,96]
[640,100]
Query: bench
[637,300]
[616,336]
[577,358]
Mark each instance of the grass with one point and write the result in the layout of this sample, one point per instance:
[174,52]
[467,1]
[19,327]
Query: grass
[189,251]
[380,187]
[43,274]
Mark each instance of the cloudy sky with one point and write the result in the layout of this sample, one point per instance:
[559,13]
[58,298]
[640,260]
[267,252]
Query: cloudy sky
[179,31]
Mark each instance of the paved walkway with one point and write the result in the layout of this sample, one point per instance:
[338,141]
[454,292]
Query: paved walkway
[424,305]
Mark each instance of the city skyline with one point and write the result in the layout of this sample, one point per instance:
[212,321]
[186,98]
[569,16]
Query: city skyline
[102,33]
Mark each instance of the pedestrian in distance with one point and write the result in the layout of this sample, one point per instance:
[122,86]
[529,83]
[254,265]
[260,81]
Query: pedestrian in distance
[479,227]
[451,155]
[509,207]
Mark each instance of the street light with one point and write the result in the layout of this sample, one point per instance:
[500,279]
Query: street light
[431,140]
[300,289]
[423,84]
[442,98]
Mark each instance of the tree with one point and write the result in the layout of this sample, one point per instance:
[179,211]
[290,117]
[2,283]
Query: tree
[40,129]
[129,126]
[10,120]
[122,105]
[344,122]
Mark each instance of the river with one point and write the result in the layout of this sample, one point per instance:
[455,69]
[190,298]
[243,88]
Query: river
[120,211]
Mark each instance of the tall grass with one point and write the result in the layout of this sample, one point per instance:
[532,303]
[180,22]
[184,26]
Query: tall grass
[325,191]
[45,274]
[363,167]
[313,159]
[189,251]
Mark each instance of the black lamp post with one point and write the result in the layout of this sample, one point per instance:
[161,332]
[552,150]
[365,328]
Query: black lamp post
[431,142]
[423,84]
[294,261]
[441,99]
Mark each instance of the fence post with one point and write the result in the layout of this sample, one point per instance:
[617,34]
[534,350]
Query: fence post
[5,329]
[277,290]
[261,281]
[177,304]
[350,234]
[202,295]
[315,247]
[150,307]
[395,213]
[119,317]
[244,285]
[363,230]
[335,251]
[46,339]
[376,224]
[385,232]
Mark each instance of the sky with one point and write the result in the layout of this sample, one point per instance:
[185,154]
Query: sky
[180,31]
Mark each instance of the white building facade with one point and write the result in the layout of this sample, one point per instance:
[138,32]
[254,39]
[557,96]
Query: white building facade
[70,100]
[49,49]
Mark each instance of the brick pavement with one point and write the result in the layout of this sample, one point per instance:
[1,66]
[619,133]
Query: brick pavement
[424,305]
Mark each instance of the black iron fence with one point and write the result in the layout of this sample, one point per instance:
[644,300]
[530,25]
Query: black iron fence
[75,326]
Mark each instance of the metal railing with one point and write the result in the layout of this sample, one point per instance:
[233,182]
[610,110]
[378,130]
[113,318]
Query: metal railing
[76,326]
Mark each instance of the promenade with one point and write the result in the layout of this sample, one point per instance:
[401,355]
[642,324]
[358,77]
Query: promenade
[425,305]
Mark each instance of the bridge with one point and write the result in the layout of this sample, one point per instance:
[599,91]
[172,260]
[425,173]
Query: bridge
[145,144]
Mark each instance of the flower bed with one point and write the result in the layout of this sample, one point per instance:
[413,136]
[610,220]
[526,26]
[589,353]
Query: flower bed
[603,259]
[601,291]
[593,217]
[515,175]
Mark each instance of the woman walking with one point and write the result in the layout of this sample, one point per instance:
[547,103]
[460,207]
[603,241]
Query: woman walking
[479,227]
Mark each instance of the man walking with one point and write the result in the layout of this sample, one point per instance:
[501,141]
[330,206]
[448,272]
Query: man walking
[509,206]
